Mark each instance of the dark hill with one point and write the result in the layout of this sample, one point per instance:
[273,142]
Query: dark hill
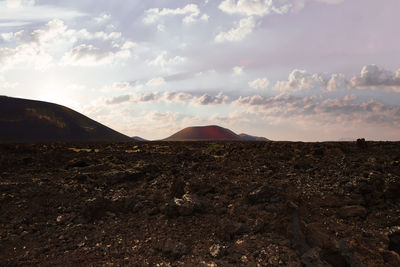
[247,137]
[204,133]
[23,120]
[138,138]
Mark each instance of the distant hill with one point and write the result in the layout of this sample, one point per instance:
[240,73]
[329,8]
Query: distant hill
[247,137]
[204,133]
[138,138]
[23,120]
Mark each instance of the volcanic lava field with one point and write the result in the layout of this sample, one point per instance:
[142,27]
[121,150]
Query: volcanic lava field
[200,204]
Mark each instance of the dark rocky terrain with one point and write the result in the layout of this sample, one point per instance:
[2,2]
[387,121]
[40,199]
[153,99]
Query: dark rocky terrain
[200,204]
[23,120]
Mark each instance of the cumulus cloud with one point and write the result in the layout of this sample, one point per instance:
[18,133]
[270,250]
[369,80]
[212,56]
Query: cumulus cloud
[211,100]
[238,70]
[374,77]
[330,111]
[41,46]
[252,7]
[301,80]
[164,61]
[261,83]
[244,28]
[190,12]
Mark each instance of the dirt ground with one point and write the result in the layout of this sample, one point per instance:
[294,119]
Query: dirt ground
[200,204]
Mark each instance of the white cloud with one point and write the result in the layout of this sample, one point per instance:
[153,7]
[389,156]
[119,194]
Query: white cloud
[89,55]
[374,77]
[331,111]
[252,7]
[156,82]
[337,82]
[4,84]
[261,83]
[164,61]
[42,46]
[28,11]
[301,80]
[169,97]
[117,86]
[204,17]
[210,100]
[190,12]
[19,3]
[102,18]
[244,28]
[238,70]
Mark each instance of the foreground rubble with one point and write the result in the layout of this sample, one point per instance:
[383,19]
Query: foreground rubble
[201,204]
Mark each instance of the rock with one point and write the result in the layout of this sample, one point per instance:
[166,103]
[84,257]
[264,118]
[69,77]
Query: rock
[394,241]
[361,143]
[76,163]
[261,194]
[392,192]
[391,258]
[174,248]
[96,208]
[177,188]
[116,177]
[215,250]
[352,211]
[365,188]
[312,258]
[187,205]
[317,236]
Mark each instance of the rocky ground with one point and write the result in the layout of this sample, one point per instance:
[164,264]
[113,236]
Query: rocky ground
[200,204]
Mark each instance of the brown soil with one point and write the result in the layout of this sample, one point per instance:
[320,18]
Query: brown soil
[200,204]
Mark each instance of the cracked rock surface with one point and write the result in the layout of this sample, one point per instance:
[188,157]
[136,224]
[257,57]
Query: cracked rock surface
[200,204]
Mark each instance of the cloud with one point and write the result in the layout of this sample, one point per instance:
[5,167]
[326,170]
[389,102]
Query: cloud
[102,18]
[4,84]
[89,55]
[164,61]
[117,86]
[244,28]
[325,111]
[298,5]
[169,97]
[118,99]
[211,100]
[301,80]
[261,83]
[267,7]
[190,12]
[28,11]
[40,47]
[204,17]
[19,3]
[238,70]
[252,7]
[156,82]
[374,77]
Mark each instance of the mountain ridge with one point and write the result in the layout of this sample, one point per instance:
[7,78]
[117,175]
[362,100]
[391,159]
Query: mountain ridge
[25,120]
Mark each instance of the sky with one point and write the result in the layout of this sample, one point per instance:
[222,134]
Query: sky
[299,70]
